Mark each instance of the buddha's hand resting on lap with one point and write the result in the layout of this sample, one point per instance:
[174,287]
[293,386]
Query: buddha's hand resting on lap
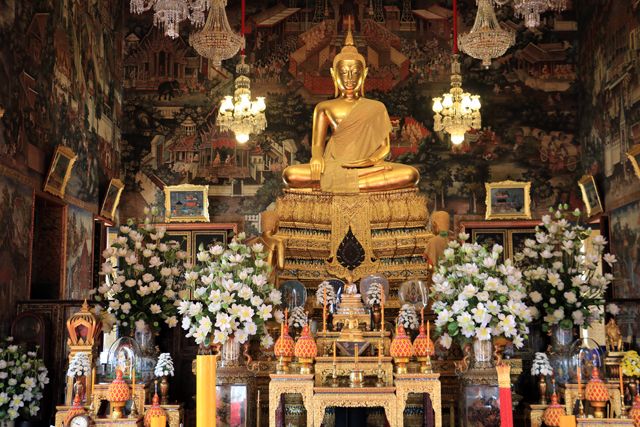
[317,168]
[364,163]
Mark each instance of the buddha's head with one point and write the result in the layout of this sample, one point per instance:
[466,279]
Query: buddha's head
[349,69]
[440,221]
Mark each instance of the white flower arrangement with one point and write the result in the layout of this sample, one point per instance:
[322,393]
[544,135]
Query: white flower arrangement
[143,275]
[298,317]
[566,285]
[541,365]
[330,292]
[478,296]
[374,294]
[164,367]
[80,365]
[613,309]
[232,297]
[23,377]
[408,318]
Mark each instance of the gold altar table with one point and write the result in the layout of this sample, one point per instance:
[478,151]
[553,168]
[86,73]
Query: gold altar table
[368,364]
[392,399]
[571,395]
[610,422]
[347,397]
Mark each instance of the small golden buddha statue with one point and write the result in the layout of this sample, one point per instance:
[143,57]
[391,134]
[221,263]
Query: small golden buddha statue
[352,160]
[440,223]
[274,244]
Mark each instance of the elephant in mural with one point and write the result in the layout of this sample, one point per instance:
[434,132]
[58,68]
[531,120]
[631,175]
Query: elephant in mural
[168,89]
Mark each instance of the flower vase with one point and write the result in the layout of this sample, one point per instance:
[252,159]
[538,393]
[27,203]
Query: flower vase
[542,387]
[560,357]
[482,354]
[146,339]
[230,353]
[376,315]
[164,390]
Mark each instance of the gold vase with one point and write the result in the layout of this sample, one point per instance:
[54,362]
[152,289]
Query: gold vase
[205,390]
[164,390]
[542,387]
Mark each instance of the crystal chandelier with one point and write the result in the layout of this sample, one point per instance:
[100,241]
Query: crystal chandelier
[558,5]
[167,14]
[217,41]
[486,40]
[238,113]
[530,10]
[456,111]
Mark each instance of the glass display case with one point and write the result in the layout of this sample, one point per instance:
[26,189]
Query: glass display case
[585,355]
[124,354]
[481,406]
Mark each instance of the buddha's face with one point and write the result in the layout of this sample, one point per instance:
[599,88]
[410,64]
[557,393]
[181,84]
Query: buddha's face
[349,75]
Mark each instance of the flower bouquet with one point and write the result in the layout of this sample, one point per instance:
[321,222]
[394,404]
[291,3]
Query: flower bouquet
[80,365]
[22,380]
[298,318]
[477,296]
[232,297]
[325,288]
[630,364]
[408,318]
[541,365]
[164,367]
[143,275]
[374,294]
[566,285]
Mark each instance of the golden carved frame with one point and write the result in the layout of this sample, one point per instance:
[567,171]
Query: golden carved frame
[634,156]
[204,214]
[525,186]
[585,181]
[119,186]
[68,154]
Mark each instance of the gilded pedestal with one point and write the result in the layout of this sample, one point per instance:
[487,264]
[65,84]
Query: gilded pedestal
[282,384]
[571,395]
[419,383]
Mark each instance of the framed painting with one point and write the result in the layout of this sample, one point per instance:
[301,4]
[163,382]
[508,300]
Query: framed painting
[208,238]
[508,200]
[60,171]
[186,203]
[634,157]
[182,237]
[624,241]
[112,199]
[491,236]
[516,239]
[590,195]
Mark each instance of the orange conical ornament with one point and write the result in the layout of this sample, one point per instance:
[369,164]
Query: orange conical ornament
[284,349]
[155,411]
[401,350]
[117,394]
[305,350]
[597,393]
[553,412]
[634,413]
[76,409]
[423,348]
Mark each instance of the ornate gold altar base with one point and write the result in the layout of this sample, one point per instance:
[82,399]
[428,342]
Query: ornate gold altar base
[571,395]
[610,422]
[390,226]
[391,398]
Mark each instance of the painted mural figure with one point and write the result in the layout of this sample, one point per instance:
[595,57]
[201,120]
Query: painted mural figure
[352,159]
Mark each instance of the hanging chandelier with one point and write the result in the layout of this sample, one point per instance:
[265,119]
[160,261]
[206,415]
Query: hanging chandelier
[530,11]
[487,39]
[238,113]
[456,111]
[167,14]
[217,41]
[558,5]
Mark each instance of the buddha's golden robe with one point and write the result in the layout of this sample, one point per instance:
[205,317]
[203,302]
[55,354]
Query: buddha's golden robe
[355,138]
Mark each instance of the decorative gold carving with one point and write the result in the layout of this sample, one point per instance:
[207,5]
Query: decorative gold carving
[281,384]
[571,395]
[535,414]
[419,383]
[353,398]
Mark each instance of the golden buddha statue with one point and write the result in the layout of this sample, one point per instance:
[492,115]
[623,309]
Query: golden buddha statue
[352,160]
[273,243]
[440,223]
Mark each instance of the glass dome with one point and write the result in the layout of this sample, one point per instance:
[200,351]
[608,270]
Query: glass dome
[585,355]
[124,354]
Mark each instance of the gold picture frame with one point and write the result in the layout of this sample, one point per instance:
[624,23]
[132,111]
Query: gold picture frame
[508,200]
[186,203]
[60,171]
[491,236]
[590,195]
[634,156]
[112,199]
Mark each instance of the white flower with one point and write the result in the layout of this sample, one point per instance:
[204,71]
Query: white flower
[266,341]
[570,297]
[489,262]
[242,336]
[275,296]
[463,236]
[259,280]
[186,323]
[469,291]
[613,309]
[445,340]
[216,250]
[195,309]
[558,314]
[578,317]
[205,324]
[265,311]
[535,296]
[219,337]
[126,307]
[155,309]
[223,321]
[459,305]
[245,292]
[278,315]
[610,259]
[171,321]
[147,277]
[443,318]
[483,333]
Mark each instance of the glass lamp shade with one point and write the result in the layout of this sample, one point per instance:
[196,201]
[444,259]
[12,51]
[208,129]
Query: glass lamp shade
[585,355]
[242,137]
[124,354]
[457,138]
[448,101]
[437,105]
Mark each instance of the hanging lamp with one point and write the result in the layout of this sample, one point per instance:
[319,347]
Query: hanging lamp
[487,39]
[456,111]
[238,113]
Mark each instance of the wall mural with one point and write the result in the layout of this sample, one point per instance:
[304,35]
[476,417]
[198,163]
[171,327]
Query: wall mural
[78,275]
[610,125]
[62,85]
[528,97]
[16,207]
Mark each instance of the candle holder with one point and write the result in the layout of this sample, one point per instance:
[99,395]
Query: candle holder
[134,408]
[282,367]
[623,409]
[334,377]
[356,378]
[580,408]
